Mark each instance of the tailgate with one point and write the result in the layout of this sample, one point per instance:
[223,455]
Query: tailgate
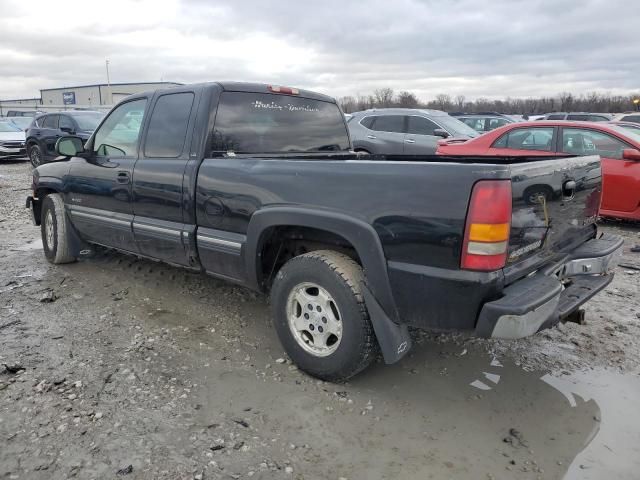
[555,205]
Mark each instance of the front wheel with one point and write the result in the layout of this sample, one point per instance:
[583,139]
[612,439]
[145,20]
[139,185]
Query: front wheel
[320,315]
[54,229]
[35,155]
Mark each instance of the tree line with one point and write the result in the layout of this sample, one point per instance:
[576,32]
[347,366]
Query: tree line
[563,102]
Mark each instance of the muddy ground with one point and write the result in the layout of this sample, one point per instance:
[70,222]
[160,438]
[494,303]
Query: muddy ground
[115,367]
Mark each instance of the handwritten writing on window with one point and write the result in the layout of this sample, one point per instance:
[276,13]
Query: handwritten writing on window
[287,107]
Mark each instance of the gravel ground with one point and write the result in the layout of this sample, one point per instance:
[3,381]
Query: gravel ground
[116,367]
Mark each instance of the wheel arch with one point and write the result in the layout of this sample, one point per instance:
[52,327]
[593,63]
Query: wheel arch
[358,234]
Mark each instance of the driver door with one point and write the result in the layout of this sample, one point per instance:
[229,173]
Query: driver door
[99,186]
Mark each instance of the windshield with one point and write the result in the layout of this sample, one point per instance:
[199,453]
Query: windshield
[266,123]
[630,133]
[88,121]
[455,126]
[8,127]
[22,122]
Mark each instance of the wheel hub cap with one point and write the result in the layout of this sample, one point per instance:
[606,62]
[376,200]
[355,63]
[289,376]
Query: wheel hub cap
[314,319]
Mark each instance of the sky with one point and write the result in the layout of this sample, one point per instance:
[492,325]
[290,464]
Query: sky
[490,49]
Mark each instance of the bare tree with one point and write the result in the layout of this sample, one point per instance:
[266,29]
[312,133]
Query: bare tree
[407,100]
[383,97]
[460,102]
[443,101]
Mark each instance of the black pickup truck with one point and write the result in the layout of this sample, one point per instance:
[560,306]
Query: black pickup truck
[258,185]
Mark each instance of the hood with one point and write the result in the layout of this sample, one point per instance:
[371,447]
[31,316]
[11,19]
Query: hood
[12,136]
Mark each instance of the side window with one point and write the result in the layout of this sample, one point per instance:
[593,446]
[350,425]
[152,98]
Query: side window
[389,123]
[631,118]
[168,125]
[421,126]
[526,139]
[119,134]
[598,118]
[578,141]
[50,121]
[557,116]
[476,123]
[367,122]
[66,124]
[578,118]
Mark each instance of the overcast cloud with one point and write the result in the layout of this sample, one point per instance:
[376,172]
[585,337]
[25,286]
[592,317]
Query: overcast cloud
[492,49]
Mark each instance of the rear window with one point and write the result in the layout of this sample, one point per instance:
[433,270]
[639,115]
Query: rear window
[265,123]
[556,117]
[631,118]
[578,117]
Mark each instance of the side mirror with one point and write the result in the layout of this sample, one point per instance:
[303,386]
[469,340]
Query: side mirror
[69,146]
[631,154]
[439,132]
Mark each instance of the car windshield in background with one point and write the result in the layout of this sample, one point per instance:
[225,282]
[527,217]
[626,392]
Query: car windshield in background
[265,123]
[455,126]
[21,122]
[630,133]
[8,127]
[88,121]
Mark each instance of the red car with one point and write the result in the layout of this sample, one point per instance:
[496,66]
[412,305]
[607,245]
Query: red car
[618,147]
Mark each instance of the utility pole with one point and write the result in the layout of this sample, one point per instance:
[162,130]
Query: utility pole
[109,98]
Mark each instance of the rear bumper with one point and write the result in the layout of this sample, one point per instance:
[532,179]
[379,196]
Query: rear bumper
[550,295]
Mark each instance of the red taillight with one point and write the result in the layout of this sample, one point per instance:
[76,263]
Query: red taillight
[486,233]
[285,90]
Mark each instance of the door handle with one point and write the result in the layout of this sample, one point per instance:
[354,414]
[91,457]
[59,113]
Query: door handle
[410,140]
[123,177]
[372,137]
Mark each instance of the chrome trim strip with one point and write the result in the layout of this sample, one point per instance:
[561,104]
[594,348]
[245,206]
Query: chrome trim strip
[156,229]
[219,242]
[100,218]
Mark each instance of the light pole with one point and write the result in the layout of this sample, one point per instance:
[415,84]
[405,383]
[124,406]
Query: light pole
[109,99]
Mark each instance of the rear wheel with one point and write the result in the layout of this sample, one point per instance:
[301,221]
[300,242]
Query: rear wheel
[320,315]
[53,227]
[35,155]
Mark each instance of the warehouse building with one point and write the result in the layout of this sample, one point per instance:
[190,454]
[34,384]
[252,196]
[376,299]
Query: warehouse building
[99,94]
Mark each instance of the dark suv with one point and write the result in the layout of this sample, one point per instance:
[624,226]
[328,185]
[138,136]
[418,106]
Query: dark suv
[45,130]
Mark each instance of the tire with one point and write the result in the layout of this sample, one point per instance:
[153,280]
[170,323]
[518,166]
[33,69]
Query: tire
[350,344]
[35,155]
[53,227]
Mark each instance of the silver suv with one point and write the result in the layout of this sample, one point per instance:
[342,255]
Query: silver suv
[404,131]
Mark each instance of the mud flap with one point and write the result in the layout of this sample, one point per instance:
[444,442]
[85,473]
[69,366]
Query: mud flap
[394,339]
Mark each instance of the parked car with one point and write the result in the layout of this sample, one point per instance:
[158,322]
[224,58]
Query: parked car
[45,130]
[23,113]
[578,116]
[353,249]
[483,122]
[633,117]
[634,127]
[11,141]
[619,148]
[405,131]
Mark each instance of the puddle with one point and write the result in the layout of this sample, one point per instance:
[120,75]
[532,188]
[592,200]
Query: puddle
[439,415]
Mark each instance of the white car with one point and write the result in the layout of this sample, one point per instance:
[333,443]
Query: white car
[11,141]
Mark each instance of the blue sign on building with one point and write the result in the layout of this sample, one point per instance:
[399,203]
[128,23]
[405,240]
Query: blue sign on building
[69,98]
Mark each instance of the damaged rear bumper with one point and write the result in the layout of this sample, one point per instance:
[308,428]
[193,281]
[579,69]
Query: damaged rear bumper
[550,295]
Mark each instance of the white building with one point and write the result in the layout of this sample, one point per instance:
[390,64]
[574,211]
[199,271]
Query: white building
[99,94]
